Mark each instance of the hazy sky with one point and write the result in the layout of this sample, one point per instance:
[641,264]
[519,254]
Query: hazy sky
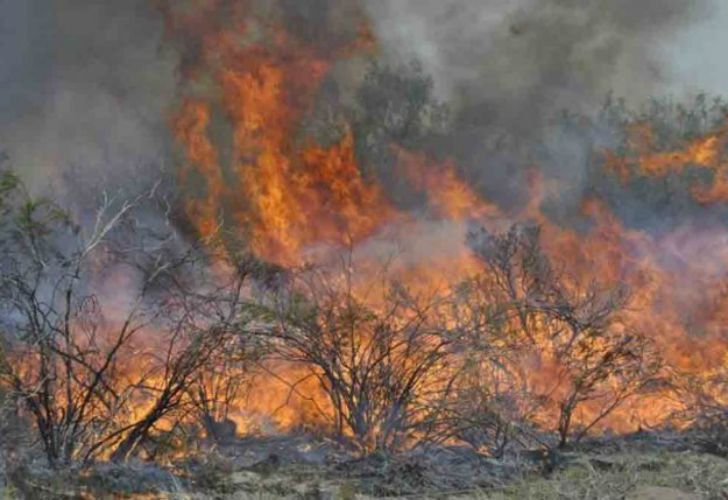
[699,57]
[612,42]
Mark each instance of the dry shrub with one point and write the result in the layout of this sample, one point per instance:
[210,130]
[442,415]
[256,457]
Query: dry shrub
[381,366]
[564,343]
[704,410]
[101,372]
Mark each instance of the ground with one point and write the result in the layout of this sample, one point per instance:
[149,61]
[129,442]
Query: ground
[649,466]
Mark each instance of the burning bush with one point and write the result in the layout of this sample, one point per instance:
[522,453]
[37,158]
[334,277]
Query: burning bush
[100,370]
[381,364]
[582,361]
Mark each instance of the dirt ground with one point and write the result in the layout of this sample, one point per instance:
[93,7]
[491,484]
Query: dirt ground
[644,467]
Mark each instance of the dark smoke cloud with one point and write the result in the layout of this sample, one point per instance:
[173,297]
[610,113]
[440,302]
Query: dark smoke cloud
[86,86]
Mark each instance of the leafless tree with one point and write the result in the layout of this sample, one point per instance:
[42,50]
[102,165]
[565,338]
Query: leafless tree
[221,386]
[60,363]
[381,363]
[600,362]
[702,407]
[203,336]
[97,370]
[491,405]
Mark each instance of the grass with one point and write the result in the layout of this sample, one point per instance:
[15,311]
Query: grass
[603,477]
[599,474]
[618,477]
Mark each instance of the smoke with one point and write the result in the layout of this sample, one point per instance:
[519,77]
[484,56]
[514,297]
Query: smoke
[88,85]
[508,69]
[511,64]
[86,90]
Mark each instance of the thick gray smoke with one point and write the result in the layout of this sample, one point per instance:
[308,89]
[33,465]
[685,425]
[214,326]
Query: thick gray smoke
[508,69]
[511,64]
[86,86]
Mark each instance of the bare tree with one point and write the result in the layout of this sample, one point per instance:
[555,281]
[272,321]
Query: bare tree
[96,370]
[206,358]
[599,361]
[484,410]
[702,407]
[380,366]
[491,406]
[202,331]
[62,353]
[223,385]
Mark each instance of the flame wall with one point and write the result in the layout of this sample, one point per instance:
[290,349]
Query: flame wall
[286,133]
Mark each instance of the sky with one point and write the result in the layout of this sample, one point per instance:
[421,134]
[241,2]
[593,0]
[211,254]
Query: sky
[697,57]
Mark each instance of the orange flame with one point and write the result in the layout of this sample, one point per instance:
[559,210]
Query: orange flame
[254,84]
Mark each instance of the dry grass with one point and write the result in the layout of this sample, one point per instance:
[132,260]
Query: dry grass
[618,476]
[601,475]
[621,476]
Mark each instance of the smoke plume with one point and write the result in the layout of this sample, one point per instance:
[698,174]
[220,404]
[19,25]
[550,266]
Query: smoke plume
[86,86]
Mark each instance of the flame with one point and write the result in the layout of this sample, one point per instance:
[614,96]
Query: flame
[190,129]
[646,159]
[241,132]
[272,186]
[448,195]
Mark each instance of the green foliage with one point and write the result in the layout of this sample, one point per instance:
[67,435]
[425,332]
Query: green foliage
[672,123]
[27,222]
[9,182]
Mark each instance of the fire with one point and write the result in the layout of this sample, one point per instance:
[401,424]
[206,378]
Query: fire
[273,185]
[448,195]
[704,153]
[190,128]
[241,133]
